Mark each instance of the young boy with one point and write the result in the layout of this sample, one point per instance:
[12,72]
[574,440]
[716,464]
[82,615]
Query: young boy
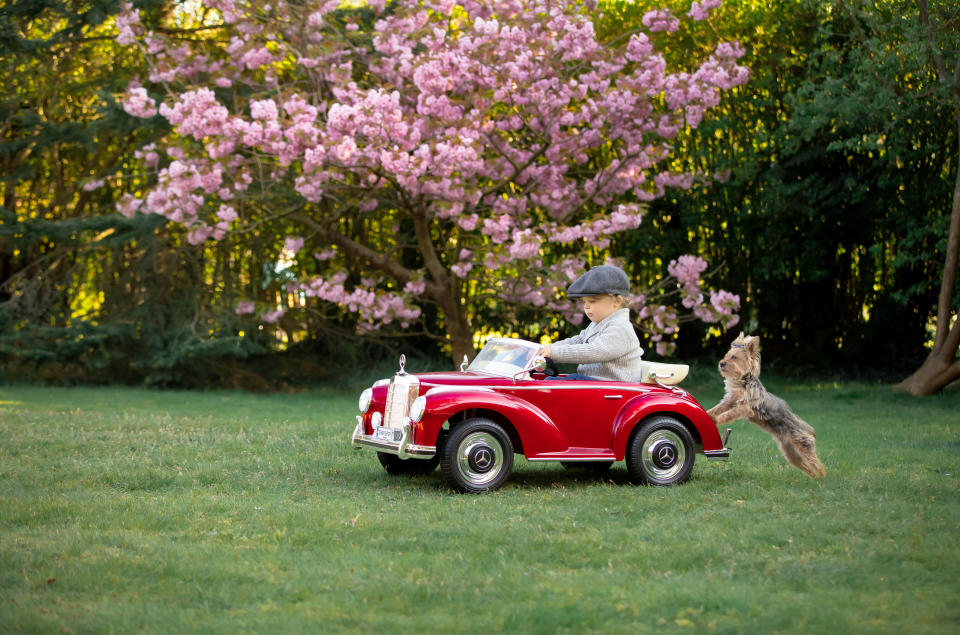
[608,348]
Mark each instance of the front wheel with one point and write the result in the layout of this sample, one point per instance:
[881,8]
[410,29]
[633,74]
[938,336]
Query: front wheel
[477,456]
[660,452]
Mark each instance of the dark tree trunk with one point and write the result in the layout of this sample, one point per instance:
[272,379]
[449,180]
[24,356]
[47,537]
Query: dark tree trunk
[942,366]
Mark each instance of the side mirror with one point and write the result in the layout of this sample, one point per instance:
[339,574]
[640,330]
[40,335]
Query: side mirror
[464,364]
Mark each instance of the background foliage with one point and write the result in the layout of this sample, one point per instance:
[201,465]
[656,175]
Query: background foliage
[831,225]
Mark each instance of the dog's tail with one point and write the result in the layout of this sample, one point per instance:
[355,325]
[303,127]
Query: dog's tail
[801,451]
[813,467]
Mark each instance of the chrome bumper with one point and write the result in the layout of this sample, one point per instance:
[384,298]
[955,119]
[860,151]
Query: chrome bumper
[401,447]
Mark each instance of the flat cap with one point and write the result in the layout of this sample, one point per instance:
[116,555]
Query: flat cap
[600,280]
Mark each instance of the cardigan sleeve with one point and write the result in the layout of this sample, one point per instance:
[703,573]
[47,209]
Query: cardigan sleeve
[576,339]
[608,344]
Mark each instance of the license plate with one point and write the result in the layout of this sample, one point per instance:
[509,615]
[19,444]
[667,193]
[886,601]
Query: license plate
[387,434]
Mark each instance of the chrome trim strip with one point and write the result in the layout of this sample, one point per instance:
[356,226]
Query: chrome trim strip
[438,390]
[599,459]
[563,386]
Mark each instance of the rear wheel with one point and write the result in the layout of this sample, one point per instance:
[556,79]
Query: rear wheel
[393,464]
[660,452]
[477,456]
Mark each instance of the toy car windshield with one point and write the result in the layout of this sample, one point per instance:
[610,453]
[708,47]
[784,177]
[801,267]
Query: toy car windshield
[505,357]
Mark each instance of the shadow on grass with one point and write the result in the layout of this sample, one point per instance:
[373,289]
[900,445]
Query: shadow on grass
[540,476]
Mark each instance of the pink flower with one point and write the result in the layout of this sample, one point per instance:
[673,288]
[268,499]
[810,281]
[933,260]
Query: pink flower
[687,269]
[245,307]
[292,244]
[661,20]
[468,223]
[199,234]
[128,24]
[265,109]
[227,214]
[701,10]
[256,58]
[128,205]
[272,317]
[415,287]
[137,103]
[461,269]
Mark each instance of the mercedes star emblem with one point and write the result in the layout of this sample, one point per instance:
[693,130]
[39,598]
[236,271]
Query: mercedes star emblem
[665,455]
[483,458]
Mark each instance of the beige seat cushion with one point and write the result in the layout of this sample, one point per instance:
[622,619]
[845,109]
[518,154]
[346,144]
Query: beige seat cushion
[669,374]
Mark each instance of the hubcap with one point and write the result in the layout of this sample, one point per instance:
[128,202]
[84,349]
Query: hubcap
[480,458]
[663,454]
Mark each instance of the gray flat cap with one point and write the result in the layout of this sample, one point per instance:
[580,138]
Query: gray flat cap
[600,280]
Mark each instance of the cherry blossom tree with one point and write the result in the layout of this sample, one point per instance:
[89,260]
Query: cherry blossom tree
[431,152]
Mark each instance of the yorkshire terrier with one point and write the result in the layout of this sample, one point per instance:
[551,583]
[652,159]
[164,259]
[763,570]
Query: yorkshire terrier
[746,398]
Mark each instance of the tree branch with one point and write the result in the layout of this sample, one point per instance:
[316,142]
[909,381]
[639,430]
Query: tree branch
[356,250]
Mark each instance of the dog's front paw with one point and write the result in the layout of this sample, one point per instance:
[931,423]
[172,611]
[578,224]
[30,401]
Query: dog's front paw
[715,412]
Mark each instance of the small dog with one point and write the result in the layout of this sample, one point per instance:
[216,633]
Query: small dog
[746,398]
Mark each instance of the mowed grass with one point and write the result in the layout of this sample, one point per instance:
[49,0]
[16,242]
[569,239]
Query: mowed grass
[126,510]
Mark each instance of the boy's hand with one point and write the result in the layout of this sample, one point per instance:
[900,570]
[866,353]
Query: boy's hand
[545,350]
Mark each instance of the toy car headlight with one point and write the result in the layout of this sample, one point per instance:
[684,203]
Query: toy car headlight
[365,398]
[418,408]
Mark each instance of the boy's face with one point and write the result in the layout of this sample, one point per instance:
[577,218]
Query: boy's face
[599,307]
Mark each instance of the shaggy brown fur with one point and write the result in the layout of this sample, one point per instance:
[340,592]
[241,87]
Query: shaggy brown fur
[746,398]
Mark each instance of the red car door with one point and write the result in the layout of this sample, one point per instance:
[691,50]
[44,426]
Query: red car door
[583,411]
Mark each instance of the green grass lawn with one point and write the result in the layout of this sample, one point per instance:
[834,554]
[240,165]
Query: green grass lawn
[124,510]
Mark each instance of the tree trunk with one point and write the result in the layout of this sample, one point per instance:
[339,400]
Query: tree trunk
[942,366]
[933,376]
[461,336]
[444,291]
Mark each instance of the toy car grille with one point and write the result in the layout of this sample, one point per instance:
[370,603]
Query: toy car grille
[403,390]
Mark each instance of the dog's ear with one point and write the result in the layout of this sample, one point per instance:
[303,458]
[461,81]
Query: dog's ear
[751,345]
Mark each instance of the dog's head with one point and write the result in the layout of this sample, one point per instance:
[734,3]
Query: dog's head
[742,359]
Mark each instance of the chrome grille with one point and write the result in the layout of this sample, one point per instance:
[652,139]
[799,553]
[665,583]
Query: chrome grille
[403,390]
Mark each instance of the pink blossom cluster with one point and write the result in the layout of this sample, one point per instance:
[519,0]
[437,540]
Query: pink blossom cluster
[661,20]
[245,307]
[701,10]
[128,24]
[481,117]
[662,320]
[292,244]
[138,103]
[376,307]
[597,231]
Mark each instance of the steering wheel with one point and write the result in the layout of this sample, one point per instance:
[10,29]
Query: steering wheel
[550,369]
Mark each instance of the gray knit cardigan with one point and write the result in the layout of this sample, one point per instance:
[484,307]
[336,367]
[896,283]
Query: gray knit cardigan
[608,349]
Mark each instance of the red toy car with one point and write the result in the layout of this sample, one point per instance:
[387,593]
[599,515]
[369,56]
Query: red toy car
[472,422]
